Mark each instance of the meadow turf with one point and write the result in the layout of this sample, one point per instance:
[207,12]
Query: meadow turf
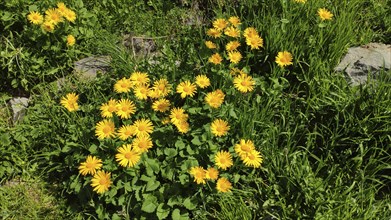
[325,144]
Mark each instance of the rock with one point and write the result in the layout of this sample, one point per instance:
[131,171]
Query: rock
[18,106]
[364,60]
[88,68]
[140,45]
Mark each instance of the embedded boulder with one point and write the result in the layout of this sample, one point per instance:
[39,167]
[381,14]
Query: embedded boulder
[18,106]
[88,68]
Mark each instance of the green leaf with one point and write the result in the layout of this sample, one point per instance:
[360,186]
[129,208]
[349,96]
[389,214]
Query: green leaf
[180,144]
[170,152]
[128,187]
[232,113]
[5,140]
[189,204]
[92,149]
[116,217]
[174,200]
[152,185]
[149,203]
[162,211]
[196,141]
[189,150]
[153,164]
[176,214]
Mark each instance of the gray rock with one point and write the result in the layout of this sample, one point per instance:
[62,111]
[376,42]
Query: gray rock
[361,61]
[141,46]
[18,106]
[88,68]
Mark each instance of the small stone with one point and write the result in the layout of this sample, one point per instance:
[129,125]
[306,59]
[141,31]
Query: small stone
[88,68]
[18,107]
[359,62]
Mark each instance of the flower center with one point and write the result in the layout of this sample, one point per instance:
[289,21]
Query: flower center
[142,127]
[186,89]
[251,157]
[142,145]
[103,181]
[245,148]
[128,155]
[111,108]
[89,165]
[124,108]
[106,130]
[244,83]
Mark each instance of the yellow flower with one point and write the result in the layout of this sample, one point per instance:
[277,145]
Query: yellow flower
[284,58]
[244,83]
[215,98]
[35,17]
[220,24]
[215,59]
[90,166]
[127,156]
[219,127]
[69,15]
[244,147]
[255,42]
[166,120]
[142,144]
[210,45]
[183,126]
[232,32]
[53,15]
[125,108]
[61,7]
[161,105]
[223,185]
[139,78]
[123,85]
[324,14]
[105,129]
[70,102]
[213,33]
[107,109]
[235,71]
[141,92]
[202,81]
[101,181]
[178,115]
[162,87]
[186,88]
[125,132]
[253,159]
[232,45]
[212,173]
[301,1]
[71,40]
[234,20]
[250,32]
[199,174]
[223,160]
[234,57]
[48,26]
[143,127]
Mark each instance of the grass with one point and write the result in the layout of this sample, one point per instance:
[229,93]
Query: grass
[325,144]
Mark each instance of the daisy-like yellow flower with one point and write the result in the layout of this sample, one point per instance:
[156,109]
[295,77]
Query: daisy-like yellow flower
[141,92]
[143,127]
[215,99]
[142,143]
[199,174]
[139,78]
[69,15]
[284,58]
[234,20]
[61,7]
[235,71]
[35,17]
[71,40]
[325,14]
[90,166]
[161,105]
[215,59]
[220,24]
[107,109]
[48,26]
[234,57]
[101,181]
[213,32]
[244,83]
[223,185]
[250,32]
[166,120]
[223,160]
[210,45]
[244,147]
[178,115]
[53,15]
[253,159]
[183,127]
[186,88]
[162,87]
[212,173]
[232,32]
[202,81]
[127,156]
[255,42]
[125,132]
[123,85]
[301,1]
[232,45]
[125,108]
[105,129]
[219,127]
[70,102]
